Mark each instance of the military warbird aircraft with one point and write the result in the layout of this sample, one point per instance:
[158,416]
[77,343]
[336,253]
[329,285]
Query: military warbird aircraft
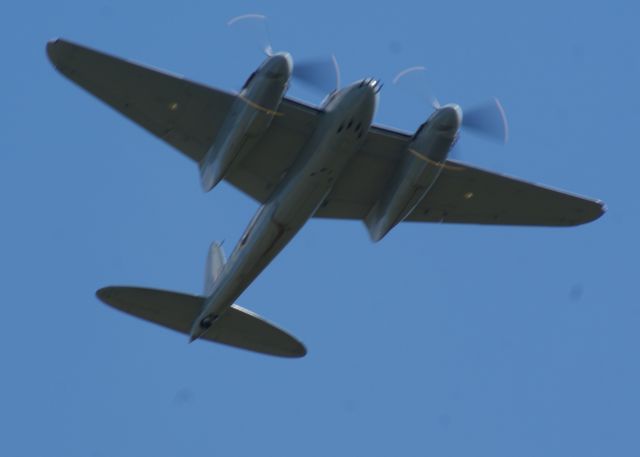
[299,161]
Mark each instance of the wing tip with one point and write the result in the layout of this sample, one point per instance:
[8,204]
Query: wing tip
[594,210]
[106,293]
[58,50]
[602,208]
[52,48]
[298,350]
[599,208]
[113,296]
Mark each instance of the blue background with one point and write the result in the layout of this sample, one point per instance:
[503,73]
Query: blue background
[439,340]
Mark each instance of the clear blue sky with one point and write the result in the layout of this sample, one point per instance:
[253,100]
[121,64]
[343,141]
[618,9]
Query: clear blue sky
[439,340]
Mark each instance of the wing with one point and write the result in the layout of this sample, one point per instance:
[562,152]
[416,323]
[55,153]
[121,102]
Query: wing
[188,115]
[465,194]
[462,193]
[185,114]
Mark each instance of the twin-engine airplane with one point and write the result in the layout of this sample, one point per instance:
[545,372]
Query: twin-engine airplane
[299,162]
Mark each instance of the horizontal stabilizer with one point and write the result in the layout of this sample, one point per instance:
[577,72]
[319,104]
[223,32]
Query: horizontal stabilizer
[237,327]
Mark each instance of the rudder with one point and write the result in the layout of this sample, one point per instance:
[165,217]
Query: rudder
[214,266]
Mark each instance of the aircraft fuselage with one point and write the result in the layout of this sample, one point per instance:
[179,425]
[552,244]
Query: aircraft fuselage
[345,121]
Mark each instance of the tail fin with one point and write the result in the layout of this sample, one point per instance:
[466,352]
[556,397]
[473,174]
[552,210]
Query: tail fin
[214,266]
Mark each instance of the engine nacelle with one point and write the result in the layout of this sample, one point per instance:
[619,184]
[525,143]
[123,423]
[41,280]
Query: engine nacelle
[417,171]
[249,118]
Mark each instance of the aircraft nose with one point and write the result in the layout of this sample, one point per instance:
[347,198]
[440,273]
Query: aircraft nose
[369,88]
[371,84]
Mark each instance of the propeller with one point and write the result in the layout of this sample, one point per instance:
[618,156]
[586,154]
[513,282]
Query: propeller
[320,73]
[487,119]
[266,41]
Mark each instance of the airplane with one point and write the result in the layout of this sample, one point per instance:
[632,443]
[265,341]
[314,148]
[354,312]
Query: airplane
[298,161]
